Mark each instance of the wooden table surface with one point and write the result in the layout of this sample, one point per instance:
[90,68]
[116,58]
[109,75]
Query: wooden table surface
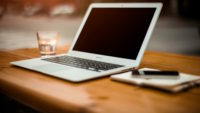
[52,95]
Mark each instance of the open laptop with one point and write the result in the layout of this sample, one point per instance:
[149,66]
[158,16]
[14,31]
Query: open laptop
[111,38]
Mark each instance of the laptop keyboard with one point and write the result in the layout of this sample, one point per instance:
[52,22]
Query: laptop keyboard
[82,63]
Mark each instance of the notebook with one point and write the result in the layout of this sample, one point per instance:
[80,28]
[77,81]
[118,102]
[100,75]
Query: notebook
[172,85]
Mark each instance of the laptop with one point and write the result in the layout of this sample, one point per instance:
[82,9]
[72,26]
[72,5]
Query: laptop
[111,38]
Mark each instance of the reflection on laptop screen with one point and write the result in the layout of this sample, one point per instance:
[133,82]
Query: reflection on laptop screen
[117,32]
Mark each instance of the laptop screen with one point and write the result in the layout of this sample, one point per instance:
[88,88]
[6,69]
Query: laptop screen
[117,32]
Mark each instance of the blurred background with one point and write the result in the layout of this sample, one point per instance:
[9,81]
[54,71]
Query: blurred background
[177,30]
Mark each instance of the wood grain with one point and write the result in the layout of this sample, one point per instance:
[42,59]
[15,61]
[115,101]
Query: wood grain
[49,94]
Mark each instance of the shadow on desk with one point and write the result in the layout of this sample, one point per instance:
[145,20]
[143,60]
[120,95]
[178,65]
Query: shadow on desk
[9,105]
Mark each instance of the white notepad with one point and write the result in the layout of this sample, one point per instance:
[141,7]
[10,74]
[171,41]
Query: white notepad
[172,85]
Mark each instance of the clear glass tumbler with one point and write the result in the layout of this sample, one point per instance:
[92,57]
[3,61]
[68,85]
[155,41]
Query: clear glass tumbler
[47,41]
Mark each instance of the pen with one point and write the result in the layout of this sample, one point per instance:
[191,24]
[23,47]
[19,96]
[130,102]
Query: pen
[155,74]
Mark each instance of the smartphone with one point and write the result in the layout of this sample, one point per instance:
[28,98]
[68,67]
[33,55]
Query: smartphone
[155,74]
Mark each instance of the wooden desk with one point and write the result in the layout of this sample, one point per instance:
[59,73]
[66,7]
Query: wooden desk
[48,94]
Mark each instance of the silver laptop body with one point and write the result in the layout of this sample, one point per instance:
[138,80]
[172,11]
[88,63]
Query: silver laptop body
[111,38]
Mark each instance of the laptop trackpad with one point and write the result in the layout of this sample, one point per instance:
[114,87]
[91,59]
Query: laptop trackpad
[50,68]
[67,73]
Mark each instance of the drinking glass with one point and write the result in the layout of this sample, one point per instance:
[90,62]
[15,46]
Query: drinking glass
[47,41]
